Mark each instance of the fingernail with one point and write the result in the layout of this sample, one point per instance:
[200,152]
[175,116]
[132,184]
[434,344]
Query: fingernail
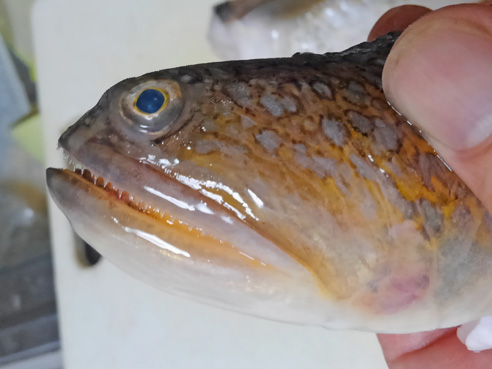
[477,335]
[397,19]
[440,77]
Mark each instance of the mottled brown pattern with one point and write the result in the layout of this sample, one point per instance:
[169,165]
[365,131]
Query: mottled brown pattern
[347,186]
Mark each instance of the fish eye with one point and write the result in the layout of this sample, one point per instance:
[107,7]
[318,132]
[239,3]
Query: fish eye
[150,107]
[151,101]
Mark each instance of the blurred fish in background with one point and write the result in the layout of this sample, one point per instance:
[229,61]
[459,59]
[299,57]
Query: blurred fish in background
[248,29]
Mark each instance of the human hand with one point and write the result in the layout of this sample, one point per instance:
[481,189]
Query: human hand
[439,75]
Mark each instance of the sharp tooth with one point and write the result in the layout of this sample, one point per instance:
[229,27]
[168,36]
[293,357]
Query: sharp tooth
[125,196]
[72,163]
[88,175]
[78,168]
[100,182]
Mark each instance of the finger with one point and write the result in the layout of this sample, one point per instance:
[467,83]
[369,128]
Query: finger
[440,349]
[439,75]
[397,19]
[397,345]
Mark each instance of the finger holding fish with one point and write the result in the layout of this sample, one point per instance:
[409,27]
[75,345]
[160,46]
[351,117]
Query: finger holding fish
[457,64]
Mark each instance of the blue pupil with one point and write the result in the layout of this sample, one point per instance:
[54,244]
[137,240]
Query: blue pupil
[150,101]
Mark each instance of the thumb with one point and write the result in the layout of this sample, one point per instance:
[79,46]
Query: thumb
[439,75]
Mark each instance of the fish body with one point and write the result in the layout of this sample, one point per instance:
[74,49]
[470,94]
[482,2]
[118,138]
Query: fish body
[283,188]
[245,29]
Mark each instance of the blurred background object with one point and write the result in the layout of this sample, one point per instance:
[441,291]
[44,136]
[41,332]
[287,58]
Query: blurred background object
[28,317]
[249,29]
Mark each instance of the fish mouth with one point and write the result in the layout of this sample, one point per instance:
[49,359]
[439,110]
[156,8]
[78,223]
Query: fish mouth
[159,196]
[113,192]
[194,248]
[77,173]
[85,181]
[90,184]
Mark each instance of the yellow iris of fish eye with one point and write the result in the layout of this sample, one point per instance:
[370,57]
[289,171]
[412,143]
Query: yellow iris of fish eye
[154,98]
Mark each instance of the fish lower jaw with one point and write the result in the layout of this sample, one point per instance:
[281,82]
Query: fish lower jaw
[241,271]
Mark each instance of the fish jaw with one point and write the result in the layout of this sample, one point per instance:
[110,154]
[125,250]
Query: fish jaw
[187,261]
[192,264]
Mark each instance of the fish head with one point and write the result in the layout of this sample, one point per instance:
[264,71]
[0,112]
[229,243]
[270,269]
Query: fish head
[156,186]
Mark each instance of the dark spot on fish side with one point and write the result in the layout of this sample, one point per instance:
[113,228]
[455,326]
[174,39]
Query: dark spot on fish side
[333,129]
[269,140]
[356,93]
[360,122]
[433,218]
[322,89]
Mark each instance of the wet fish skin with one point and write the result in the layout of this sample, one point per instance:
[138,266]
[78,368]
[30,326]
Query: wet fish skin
[306,152]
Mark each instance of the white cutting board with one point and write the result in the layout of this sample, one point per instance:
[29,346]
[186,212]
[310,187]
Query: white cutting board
[109,320]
